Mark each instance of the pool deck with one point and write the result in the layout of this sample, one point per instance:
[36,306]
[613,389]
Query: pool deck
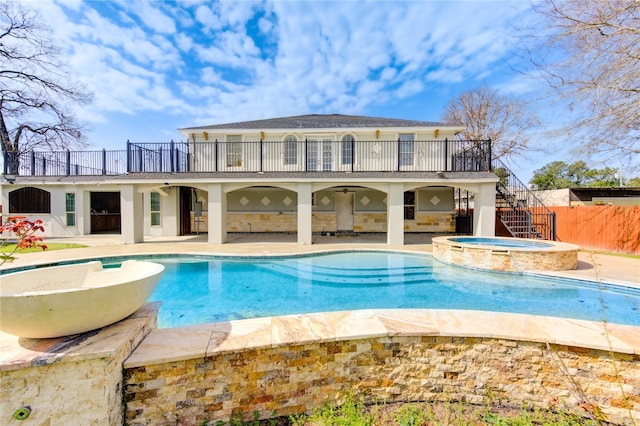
[186,342]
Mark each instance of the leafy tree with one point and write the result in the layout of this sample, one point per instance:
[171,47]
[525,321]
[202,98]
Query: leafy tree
[634,182]
[552,176]
[588,52]
[559,174]
[487,114]
[35,91]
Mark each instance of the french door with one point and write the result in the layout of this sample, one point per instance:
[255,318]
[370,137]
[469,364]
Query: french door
[319,155]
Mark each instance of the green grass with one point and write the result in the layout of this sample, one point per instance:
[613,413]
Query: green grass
[8,248]
[353,412]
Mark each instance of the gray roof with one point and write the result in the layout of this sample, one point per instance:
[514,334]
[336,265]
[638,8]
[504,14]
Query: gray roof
[322,121]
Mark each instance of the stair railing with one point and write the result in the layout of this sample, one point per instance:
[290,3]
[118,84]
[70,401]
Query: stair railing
[524,214]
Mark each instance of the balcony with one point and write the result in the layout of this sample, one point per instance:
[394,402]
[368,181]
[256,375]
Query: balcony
[258,157]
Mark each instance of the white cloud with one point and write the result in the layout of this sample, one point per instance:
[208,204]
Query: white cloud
[184,42]
[200,63]
[208,18]
[153,17]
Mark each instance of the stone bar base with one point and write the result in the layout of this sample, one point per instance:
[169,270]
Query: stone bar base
[75,380]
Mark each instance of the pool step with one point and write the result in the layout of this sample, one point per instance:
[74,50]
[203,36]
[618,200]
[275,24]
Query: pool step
[360,276]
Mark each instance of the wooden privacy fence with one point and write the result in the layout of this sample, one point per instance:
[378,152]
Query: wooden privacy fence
[606,228]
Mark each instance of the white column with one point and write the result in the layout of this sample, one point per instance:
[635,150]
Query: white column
[83,212]
[395,214]
[484,211]
[131,215]
[305,235]
[217,211]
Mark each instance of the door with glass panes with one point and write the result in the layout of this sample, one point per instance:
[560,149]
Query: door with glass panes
[319,154]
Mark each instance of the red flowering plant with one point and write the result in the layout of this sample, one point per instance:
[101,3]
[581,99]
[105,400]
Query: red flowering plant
[24,232]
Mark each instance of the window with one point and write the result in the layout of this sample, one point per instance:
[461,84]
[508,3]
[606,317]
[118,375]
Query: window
[234,151]
[155,208]
[405,149]
[410,205]
[70,208]
[347,149]
[290,150]
[29,200]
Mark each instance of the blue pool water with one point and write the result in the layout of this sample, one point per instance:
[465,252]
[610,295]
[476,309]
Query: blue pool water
[196,290]
[500,242]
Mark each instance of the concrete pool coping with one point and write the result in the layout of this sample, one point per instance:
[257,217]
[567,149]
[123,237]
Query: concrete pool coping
[266,332]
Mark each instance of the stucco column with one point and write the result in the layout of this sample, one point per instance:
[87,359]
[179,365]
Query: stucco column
[131,215]
[305,210]
[484,211]
[217,211]
[395,214]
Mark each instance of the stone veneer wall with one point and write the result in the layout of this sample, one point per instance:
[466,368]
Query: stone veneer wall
[326,221]
[74,380]
[431,222]
[262,222]
[370,222]
[561,257]
[298,378]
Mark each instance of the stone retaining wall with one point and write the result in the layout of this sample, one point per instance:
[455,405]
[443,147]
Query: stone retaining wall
[292,379]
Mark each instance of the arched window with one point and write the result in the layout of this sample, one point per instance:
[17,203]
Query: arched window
[29,200]
[347,149]
[290,150]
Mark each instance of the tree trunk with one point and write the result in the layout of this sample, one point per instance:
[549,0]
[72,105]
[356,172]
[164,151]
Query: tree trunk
[8,151]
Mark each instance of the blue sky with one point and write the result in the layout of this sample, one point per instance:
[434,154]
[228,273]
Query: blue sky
[156,66]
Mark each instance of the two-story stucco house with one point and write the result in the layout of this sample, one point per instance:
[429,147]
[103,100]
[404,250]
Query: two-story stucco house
[303,174]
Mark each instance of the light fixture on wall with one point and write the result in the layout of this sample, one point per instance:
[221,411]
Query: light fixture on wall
[261,135]
[206,136]
[377,134]
[436,132]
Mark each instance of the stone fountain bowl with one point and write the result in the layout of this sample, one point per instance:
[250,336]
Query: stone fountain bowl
[64,300]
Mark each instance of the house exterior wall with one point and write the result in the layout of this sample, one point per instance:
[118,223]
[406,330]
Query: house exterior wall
[261,209]
[168,213]
[251,209]
[296,202]
[327,145]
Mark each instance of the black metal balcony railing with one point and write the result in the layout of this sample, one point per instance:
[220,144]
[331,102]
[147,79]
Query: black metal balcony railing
[260,156]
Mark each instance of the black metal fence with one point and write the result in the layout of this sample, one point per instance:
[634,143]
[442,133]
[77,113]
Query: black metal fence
[259,156]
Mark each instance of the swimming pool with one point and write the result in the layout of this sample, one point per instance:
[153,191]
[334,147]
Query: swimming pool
[200,289]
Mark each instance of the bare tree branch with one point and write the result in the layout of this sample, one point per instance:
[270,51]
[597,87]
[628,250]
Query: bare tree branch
[35,91]
[487,114]
[589,55]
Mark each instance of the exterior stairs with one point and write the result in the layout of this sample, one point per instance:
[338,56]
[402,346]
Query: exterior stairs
[518,209]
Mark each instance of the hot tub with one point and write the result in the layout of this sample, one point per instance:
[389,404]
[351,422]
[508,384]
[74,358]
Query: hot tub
[64,300]
[506,254]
